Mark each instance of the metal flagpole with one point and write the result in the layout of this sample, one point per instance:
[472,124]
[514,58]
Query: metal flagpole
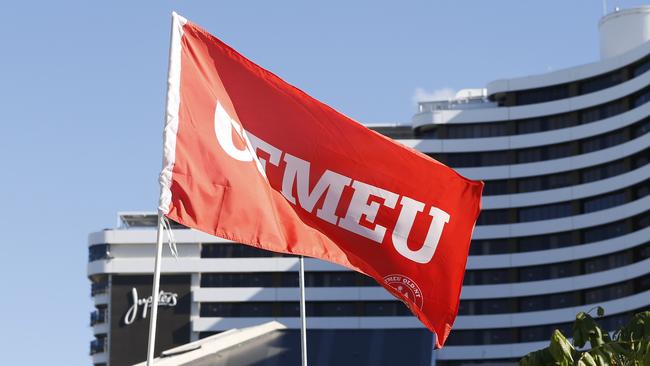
[303,313]
[155,292]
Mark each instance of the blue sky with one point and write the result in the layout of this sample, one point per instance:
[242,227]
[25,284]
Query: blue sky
[82,98]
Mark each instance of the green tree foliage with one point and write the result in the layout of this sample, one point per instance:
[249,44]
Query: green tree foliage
[628,346]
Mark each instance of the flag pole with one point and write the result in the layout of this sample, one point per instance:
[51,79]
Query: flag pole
[155,291]
[173,73]
[303,313]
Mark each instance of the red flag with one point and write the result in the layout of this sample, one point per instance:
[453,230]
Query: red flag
[255,160]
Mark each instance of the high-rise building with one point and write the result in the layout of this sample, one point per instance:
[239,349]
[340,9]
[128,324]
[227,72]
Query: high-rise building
[565,227]
[566,210]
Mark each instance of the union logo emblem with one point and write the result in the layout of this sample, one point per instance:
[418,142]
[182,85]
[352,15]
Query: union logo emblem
[407,288]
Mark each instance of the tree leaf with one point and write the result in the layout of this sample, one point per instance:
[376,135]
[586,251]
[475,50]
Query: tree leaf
[580,333]
[637,328]
[542,357]
[586,359]
[585,328]
[561,349]
[631,344]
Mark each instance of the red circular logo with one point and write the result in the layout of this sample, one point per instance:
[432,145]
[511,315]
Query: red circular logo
[407,288]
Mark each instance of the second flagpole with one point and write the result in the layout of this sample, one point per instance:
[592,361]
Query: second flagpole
[303,312]
[155,292]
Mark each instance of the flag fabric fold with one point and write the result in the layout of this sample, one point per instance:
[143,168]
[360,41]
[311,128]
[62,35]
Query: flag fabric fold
[250,158]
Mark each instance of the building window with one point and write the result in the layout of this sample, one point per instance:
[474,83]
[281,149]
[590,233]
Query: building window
[603,171]
[463,160]
[603,141]
[601,82]
[98,345]
[489,246]
[540,124]
[545,242]
[251,279]
[99,251]
[641,128]
[603,202]
[609,261]
[608,292]
[487,276]
[99,285]
[496,306]
[542,94]
[234,250]
[236,309]
[604,232]
[495,187]
[603,111]
[493,217]
[99,316]
[385,308]
[462,131]
[550,152]
[545,272]
[331,279]
[545,212]
[642,98]
[641,67]
[332,308]
[539,183]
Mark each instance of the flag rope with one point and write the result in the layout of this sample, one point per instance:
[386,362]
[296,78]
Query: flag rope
[170,236]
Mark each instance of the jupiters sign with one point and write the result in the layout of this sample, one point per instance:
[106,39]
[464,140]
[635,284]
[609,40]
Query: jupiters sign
[168,299]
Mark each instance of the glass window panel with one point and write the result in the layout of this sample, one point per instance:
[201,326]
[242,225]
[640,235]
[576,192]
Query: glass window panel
[642,98]
[493,217]
[604,232]
[603,202]
[546,212]
[495,187]
[642,67]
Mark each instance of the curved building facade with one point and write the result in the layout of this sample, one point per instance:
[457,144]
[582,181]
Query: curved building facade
[565,225]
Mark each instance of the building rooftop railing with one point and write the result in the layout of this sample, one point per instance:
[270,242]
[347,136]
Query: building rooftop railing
[129,220]
[456,104]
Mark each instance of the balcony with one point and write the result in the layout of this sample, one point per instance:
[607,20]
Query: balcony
[98,345]
[98,288]
[98,316]
[98,252]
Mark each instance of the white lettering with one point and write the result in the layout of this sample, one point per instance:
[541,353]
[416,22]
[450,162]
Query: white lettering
[410,209]
[164,299]
[297,170]
[274,152]
[359,207]
[331,184]
[223,126]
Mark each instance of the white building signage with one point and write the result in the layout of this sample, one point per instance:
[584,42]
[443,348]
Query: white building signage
[169,299]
